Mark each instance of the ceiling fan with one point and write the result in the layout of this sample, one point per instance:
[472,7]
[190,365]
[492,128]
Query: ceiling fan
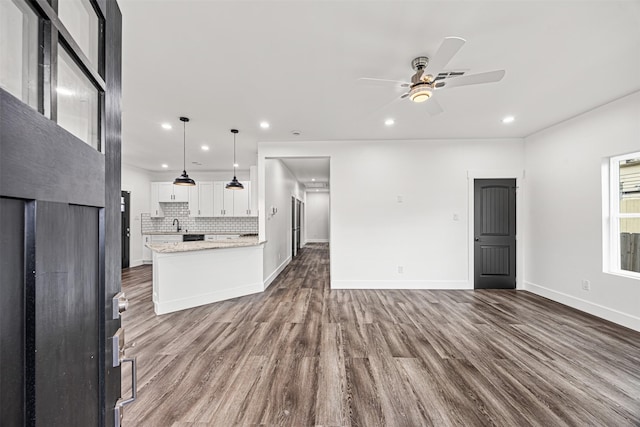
[429,75]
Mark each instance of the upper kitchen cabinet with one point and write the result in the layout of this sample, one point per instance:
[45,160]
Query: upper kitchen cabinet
[155,210]
[233,203]
[201,200]
[222,199]
[167,192]
[242,201]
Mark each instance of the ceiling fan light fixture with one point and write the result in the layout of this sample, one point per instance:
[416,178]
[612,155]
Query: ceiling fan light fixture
[420,93]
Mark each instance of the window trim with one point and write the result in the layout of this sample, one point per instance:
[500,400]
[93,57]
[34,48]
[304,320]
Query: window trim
[613,259]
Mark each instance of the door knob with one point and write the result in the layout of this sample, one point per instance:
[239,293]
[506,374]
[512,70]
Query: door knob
[477,239]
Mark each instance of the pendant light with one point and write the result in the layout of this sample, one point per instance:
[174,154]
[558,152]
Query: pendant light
[234,184]
[184,178]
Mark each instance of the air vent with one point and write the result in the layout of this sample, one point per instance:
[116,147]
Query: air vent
[316,184]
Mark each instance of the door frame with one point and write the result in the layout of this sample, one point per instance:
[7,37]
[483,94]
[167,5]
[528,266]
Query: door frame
[518,175]
[125,234]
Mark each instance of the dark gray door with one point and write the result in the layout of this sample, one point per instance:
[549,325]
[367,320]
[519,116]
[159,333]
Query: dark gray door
[60,232]
[294,227]
[495,233]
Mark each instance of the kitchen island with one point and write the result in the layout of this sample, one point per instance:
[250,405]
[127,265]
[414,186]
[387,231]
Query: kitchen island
[190,274]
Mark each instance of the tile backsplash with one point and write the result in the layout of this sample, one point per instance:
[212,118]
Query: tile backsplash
[214,225]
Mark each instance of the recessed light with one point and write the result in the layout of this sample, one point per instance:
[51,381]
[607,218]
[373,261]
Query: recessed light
[296,133]
[508,119]
[317,191]
[205,148]
[166,126]
[389,122]
[264,125]
[313,179]
[164,165]
[235,165]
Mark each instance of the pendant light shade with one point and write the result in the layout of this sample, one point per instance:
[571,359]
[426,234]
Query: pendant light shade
[234,184]
[184,178]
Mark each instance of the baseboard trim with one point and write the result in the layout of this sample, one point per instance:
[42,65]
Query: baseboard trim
[597,310]
[401,284]
[135,263]
[317,241]
[276,273]
[198,300]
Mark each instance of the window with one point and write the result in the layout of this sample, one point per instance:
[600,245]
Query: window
[52,58]
[79,17]
[625,214]
[77,101]
[19,51]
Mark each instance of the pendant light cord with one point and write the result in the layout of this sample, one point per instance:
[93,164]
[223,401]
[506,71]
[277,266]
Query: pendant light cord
[234,155]
[184,146]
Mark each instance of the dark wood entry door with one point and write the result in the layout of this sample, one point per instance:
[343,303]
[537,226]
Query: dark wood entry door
[60,239]
[495,233]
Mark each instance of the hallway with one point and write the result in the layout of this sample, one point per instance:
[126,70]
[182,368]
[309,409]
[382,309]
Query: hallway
[300,354]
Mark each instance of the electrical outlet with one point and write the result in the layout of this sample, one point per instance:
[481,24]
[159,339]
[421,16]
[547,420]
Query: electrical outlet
[400,199]
[586,285]
[400,269]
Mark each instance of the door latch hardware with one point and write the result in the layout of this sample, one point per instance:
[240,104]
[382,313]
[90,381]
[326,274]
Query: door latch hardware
[120,304]
[118,359]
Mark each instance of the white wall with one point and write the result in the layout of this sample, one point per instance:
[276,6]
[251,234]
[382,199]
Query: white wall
[275,228]
[372,234]
[563,221]
[317,217]
[136,181]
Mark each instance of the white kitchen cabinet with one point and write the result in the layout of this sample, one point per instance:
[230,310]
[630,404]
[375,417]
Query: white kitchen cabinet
[167,192]
[253,194]
[201,200]
[146,252]
[232,202]
[242,201]
[216,237]
[222,199]
[166,238]
[155,210]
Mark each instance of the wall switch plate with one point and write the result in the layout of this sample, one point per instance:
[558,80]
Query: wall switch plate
[586,285]
[399,199]
[400,269]
[456,217]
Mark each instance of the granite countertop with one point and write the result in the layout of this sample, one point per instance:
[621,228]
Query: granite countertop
[201,245]
[180,233]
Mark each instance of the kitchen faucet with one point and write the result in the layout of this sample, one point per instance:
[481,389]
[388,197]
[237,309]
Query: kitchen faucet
[178,227]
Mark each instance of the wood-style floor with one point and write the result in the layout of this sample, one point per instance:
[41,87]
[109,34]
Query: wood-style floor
[301,354]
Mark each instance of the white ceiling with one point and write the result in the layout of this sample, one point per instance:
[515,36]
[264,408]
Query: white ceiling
[295,64]
[311,171]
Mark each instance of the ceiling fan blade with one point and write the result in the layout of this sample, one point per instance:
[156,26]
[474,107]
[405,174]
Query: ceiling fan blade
[447,50]
[385,82]
[433,107]
[404,95]
[488,77]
